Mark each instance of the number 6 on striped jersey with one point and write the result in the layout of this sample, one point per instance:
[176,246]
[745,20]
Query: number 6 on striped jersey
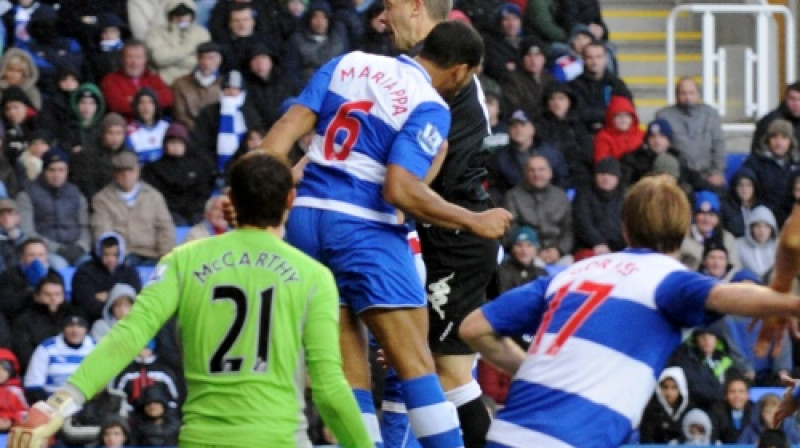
[597,294]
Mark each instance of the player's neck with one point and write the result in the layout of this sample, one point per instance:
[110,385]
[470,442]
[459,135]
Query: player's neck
[279,231]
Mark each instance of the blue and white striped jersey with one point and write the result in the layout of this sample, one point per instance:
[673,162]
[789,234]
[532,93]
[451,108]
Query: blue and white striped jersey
[606,327]
[372,111]
[54,361]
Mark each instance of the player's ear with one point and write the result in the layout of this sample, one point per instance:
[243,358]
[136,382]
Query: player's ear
[290,198]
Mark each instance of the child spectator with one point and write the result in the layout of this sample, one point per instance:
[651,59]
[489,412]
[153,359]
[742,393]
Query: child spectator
[93,280]
[774,162]
[146,132]
[13,406]
[115,433]
[743,197]
[119,303]
[731,415]
[757,247]
[147,371]
[522,265]
[18,122]
[621,134]
[154,424]
[697,428]
[184,177]
[762,419]
[663,417]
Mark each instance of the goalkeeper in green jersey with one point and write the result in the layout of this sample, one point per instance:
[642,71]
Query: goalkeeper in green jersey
[253,312]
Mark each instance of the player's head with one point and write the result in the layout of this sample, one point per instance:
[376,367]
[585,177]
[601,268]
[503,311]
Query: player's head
[409,20]
[455,50]
[656,214]
[261,191]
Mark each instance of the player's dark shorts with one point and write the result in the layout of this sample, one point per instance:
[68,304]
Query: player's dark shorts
[459,266]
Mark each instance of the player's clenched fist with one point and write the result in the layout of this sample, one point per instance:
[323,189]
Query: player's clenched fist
[492,223]
[44,419]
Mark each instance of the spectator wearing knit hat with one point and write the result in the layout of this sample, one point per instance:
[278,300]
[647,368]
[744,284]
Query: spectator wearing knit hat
[317,40]
[706,227]
[522,87]
[91,168]
[774,163]
[184,177]
[56,114]
[83,126]
[103,54]
[267,87]
[597,212]
[199,88]
[503,42]
[55,210]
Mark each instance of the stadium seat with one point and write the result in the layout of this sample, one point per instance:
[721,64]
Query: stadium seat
[67,274]
[145,272]
[757,392]
[180,234]
[733,164]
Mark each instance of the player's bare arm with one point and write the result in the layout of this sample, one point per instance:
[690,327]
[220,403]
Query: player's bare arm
[744,299]
[295,123]
[406,191]
[500,351]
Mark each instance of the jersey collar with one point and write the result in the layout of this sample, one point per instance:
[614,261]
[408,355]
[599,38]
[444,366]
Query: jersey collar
[407,60]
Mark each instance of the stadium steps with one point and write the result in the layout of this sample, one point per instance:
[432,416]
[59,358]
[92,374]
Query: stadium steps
[638,29]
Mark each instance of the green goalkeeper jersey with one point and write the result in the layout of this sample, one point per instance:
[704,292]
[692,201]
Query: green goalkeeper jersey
[253,311]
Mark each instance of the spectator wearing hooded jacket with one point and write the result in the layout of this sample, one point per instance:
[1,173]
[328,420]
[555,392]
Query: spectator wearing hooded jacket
[788,109]
[697,429]
[523,85]
[17,69]
[774,164]
[184,177]
[621,134]
[146,131]
[93,280]
[544,20]
[503,42]
[56,114]
[154,423]
[173,45]
[743,196]
[597,212]
[55,210]
[705,359]
[199,88]
[84,125]
[50,49]
[91,168]
[759,244]
[120,87]
[663,416]
[318,40]
[118,305]
[13,406]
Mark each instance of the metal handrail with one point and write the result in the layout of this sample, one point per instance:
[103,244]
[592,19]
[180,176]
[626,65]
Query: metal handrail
[710,55]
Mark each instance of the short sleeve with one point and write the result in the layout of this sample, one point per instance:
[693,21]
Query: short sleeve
[421,138]
[315,91]
[518,311]
[682,297]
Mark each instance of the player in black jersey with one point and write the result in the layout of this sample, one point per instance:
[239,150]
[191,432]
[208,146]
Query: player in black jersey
[459,264]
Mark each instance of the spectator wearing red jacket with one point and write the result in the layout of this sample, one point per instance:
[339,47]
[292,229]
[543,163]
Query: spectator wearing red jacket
[12,399]
[621,134]
[120,87]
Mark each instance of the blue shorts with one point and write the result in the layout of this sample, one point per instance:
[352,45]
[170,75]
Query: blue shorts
[372,262]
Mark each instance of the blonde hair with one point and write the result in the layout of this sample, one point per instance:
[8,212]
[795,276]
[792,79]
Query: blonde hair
[656,214]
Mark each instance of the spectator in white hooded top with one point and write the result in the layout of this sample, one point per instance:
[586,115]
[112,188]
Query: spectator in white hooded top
[757,248]
[119,303]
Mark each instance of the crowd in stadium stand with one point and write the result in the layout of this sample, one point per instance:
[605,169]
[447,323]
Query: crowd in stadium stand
[120,118]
